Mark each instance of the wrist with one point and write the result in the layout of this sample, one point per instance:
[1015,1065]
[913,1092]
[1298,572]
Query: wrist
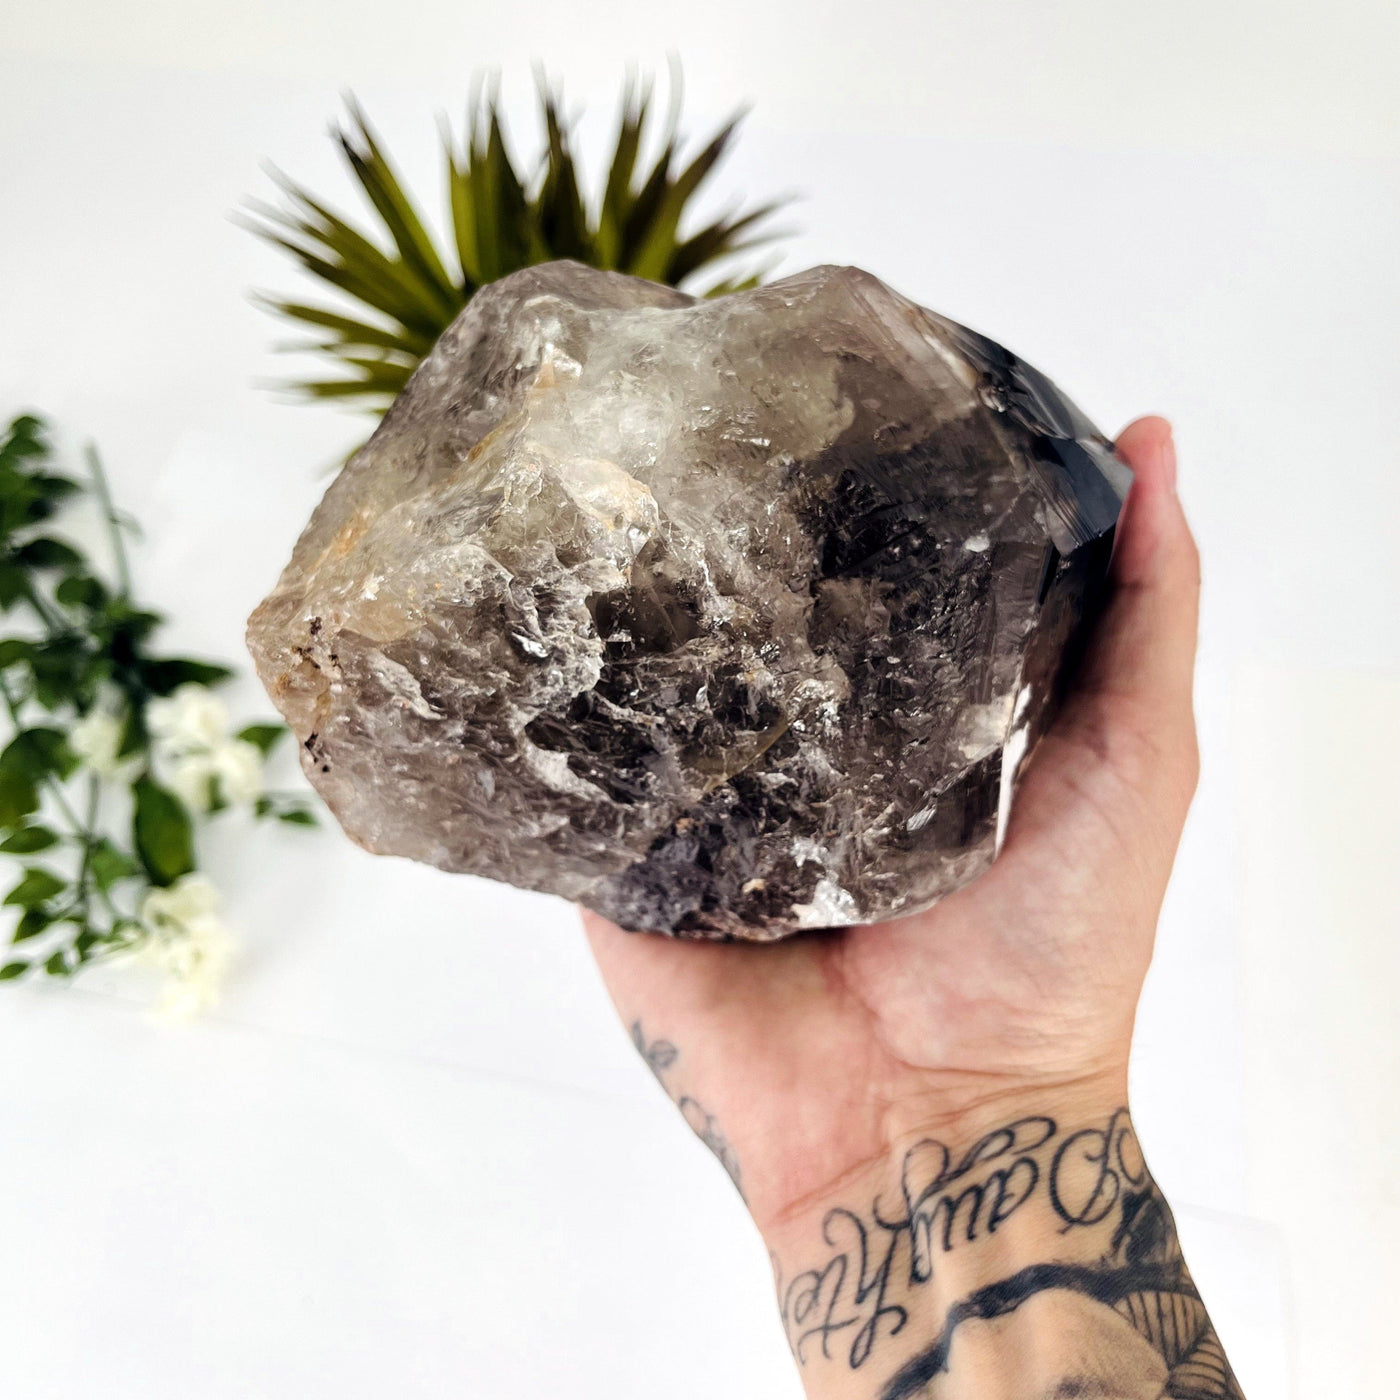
[1014,1217]
[956,1110]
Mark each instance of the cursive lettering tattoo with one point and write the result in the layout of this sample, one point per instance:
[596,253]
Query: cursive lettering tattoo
[863,1294]
[946,1201]
[660,1056]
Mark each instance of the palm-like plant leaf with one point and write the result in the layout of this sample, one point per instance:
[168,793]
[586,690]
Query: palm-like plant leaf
[400,289]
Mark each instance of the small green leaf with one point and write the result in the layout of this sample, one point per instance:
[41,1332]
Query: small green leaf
[58,666]
[46,553]
[14,584]
[161,677]
[127,933]
[297,816]
[27,840]
[88,940]
[11,970]
[35,886]
[107,864]
[14,650]
[56,964]
[39,752]
[31,924]
[129,626]
[80,591]
[54,487]
[265,736]
[25,438]
[162,832]
[18,795]
[32,507]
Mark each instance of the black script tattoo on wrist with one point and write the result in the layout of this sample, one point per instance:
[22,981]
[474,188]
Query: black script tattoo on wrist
[849,1308]
[660,1056]
[944,1201]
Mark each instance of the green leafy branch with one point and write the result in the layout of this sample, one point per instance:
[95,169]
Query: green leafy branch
[100,726]
[503,216]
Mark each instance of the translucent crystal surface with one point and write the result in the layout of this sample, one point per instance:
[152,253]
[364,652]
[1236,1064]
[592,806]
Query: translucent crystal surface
[726,617]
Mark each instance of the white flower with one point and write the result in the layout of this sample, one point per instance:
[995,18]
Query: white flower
[193,750]
[192,717]
[238,765]
[190,898]
[96,738]
[189,776]
[188,942]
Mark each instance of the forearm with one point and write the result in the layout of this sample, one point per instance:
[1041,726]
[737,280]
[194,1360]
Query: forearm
[1013,1258]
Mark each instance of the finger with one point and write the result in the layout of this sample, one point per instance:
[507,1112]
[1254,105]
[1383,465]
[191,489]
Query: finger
[1139,668]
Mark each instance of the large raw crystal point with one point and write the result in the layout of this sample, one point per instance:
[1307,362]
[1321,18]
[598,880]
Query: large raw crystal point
[726,618]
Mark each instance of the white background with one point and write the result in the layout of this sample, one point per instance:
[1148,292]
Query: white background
[411,1154]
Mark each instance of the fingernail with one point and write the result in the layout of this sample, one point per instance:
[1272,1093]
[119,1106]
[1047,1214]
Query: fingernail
[1169,462]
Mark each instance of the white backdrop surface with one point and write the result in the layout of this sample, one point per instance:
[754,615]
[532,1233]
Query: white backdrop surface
[411,1153]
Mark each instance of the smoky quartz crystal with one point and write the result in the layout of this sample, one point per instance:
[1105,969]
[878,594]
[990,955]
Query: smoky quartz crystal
[728,618]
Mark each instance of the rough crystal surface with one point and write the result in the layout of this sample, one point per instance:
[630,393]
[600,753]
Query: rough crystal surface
[727,617]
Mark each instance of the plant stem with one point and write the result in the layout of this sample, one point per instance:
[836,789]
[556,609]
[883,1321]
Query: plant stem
[78,829]
[47,616]
[87,835]
[109,514]
[10,702]
[83,830]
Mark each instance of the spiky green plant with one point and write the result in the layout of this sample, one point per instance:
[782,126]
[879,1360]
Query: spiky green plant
[406,288]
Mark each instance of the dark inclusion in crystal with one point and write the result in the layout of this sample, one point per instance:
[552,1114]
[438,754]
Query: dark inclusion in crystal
[728,618]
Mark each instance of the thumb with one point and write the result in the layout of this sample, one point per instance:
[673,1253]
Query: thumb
[1139,667]
[1128,718]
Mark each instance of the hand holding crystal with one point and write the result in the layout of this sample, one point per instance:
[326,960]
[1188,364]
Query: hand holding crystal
[998,1018]
[819,1053]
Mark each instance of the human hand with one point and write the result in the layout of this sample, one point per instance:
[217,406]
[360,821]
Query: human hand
[832,1068]
[818,1053]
